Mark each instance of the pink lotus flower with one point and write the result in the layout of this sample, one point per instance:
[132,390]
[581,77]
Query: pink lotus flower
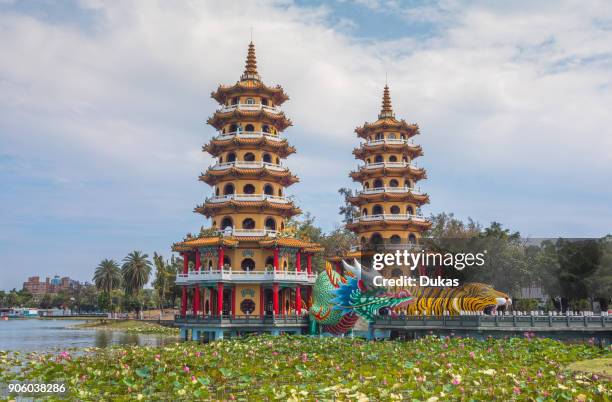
[186,369]
[274,353]
[304,357]
[215,354]
[456,380]
[198,354]
[157,357]
[193,379]
[472,355]
[516,390]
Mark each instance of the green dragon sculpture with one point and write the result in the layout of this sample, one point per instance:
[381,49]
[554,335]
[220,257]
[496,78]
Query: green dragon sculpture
[339,300]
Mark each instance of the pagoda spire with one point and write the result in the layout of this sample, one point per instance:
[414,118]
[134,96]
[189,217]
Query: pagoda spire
[250,68]
[386,110]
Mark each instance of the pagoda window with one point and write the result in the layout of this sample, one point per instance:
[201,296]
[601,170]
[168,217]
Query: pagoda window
[377,210]
[217,191]
[248,223]
[395,209]
[220,159]
[376,239]
[267,158]
[277,161]
[250,101]
[268,189]
[231,157]
[265,128]
[410,210]
[285,265]
[269,262]
[368,161]
[227,262]
[210,265]
[228,189]
[391,136]
[380,136]
[407,184]
[393,183]
[378,159]
[227,223]
[403,137]
[280,192]
[234,101]
[378,183]
[412,239]
[249,127]
[404,159]
[248,189]
[395,239]
[247,264]
[270,224]
[366,185]
[264,101]
[393,158]
[249,157]
[214,223]
[364,212]
[282,225]
[233,128]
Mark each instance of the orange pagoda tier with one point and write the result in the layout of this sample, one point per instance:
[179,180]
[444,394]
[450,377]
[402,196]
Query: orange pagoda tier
[248,272]
[389,201]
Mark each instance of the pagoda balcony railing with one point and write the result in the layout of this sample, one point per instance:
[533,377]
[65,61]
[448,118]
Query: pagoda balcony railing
[378,165]
[380,190]
[240,275]
[249,107]
[389,217]
[249,165]
[394,141]
[249,134]
[248,197]
[385,246]
[248,232]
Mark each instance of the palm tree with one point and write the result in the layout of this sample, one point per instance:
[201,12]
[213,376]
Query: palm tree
[162,279]
[107,277]
[136,270]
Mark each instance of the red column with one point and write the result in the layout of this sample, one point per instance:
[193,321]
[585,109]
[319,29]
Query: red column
[196,290]
[261,301]
[298,300]
[221,255]
[234,301]
[275,297]
[298,261]
[184,290]
[309,263]
[219,298]
[276,258]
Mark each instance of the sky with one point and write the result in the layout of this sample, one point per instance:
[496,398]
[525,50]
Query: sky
[103,109]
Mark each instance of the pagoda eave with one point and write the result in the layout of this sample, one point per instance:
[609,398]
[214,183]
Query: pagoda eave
[399,225]
[215,147]
[210,209]
[388,124]
[365,150]
[279,120]
[364,174]
[362,199]
[212,177]
[255,87]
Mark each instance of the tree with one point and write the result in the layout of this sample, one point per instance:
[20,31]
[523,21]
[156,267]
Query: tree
[107,277]
[136,270]
[347,210]
[163,274]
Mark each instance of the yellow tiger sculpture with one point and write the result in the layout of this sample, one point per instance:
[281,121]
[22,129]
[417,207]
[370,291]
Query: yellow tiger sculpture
[470,297]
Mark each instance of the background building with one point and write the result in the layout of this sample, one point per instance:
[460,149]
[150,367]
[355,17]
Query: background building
[50,285]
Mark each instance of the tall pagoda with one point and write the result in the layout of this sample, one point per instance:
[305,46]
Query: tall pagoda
[389,201]
[247,272]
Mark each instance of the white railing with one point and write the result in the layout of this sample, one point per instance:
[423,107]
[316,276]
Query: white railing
[248,165]
[389,217]
[249,106]
[237,274]
[248,197]
[249,134]
[379,190]
[377,165]
[389,141]
[248,232]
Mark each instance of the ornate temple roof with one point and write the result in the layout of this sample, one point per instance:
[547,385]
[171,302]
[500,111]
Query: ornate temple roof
[362,199]
[408,170]
[405,148]
[233,241]
[386,120]
[292,242]
[250,82]
[209,209]
[284,177]
[220,118]
[218,145]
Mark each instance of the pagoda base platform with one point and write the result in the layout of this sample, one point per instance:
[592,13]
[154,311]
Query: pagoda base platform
[211,328]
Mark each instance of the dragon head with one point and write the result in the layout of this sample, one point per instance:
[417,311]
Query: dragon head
[358,296]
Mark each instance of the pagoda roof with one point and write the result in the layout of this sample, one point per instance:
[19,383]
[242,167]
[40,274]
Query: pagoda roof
[406,149]
[362,199]
[250,83]
[387,121]
[233,241]
[218,145]
[220,118]
[292,242]
[209,209]
[284,177]
[408,224]
[408,170]
[190,244]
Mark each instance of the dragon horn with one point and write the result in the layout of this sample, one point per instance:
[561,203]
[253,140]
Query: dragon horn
[355,270]
[365,274]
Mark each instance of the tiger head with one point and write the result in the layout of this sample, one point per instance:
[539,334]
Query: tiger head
[488,299]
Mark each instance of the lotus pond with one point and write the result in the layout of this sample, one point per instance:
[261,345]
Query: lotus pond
[306,368]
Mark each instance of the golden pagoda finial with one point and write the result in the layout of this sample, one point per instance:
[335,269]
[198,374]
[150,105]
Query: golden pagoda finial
[387,110]
[250,68]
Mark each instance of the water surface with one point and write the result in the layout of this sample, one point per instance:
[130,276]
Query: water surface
[29,335]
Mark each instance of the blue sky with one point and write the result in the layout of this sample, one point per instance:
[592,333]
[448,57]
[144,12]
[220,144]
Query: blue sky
[103,111]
